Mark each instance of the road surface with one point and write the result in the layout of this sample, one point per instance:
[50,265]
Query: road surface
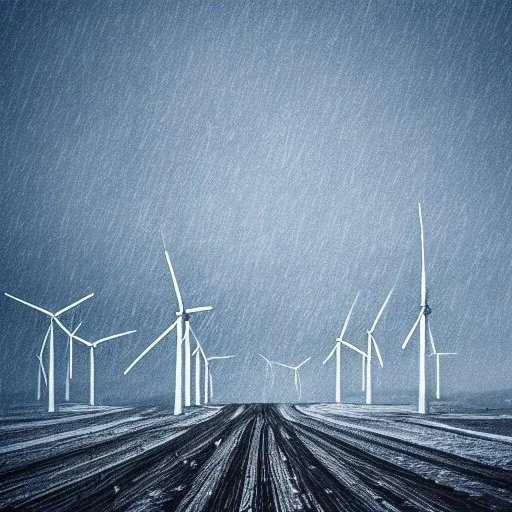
[239,458]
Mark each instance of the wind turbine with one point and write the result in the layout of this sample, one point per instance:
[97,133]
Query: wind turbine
[92,345]
[438,355]
[183,316]
[422,321]
[372,344]
[337,350]
[51,366]
[298,383]
[69,371]
[208,375]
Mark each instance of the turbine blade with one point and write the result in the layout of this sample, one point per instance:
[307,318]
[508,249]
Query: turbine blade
[413,328]
[303,363]
[81,340]
[96,343]
[381,311]
[66,330]
[285,365]
[377,351]
[264,358]
[446,353]
[219,357]
[160,338]
[196,350]
[44,342]
[78,327]
[297,383]
[174,281]
[29,305]
[349,345]
[431,339]
[71,306]
[331,353]
[348,317]
[41,368]
[199,310]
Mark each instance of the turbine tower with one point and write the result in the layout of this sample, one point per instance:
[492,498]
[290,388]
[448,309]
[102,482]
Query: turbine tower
[422,321]
[298,383]
[183,316]
[438,355]
[69,371]
[92,345]
[337,350]
[51,365]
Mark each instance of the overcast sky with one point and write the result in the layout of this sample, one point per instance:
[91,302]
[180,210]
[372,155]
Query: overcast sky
[283,148]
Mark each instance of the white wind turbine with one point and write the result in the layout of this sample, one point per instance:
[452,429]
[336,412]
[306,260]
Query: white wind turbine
[337,350]
[51,366]
[92,345]
[438,355]
[372,344]
[208,381]
[69,371]
[183,316]
[422,321]
[298,383]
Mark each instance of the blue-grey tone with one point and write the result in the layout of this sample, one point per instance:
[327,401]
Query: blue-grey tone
[282,147]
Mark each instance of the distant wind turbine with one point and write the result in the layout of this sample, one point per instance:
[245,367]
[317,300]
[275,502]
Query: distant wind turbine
[438,355]
[372,344]
[422,321]
[298,383]
[337,350]
[51,366]
[208,381]
[92,345]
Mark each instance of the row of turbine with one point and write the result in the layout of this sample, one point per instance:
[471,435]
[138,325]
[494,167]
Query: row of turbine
[424,325]
[372,346]
[184,315]
[50,377]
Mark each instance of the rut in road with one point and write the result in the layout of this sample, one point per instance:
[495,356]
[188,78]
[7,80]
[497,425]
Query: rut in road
[264,457]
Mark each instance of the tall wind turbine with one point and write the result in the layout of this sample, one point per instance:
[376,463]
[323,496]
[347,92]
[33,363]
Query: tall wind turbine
[422,321]
[183,316]
[337,350]
[69,371]
[438,355]
[92,345]
[298,383]
[51,366]
[372,344]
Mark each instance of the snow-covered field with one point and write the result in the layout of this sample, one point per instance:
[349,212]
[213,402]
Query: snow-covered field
[255,457]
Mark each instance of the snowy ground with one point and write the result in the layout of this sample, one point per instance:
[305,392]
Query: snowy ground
[255,457]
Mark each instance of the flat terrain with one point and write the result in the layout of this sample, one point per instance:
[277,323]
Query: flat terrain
[255,457]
